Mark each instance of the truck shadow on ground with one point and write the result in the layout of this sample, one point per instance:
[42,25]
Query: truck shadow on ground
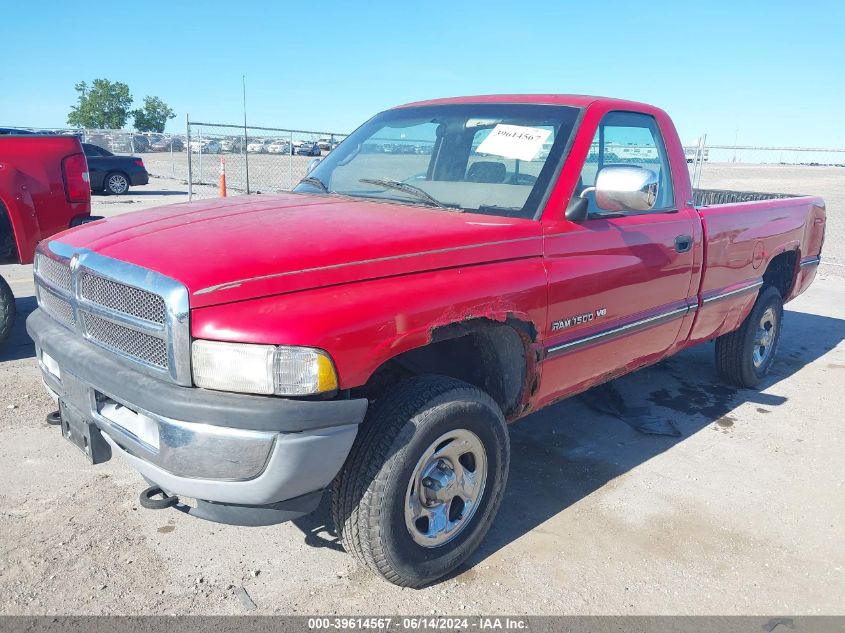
[567,451]
[19,345]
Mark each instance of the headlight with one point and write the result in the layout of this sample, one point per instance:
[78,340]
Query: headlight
[263,369]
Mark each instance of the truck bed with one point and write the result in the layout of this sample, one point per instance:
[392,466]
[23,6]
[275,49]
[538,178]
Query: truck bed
[743,232]
[709,197]
[34,199]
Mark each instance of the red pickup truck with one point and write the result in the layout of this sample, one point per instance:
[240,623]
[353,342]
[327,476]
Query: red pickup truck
[43,190]
[372,332]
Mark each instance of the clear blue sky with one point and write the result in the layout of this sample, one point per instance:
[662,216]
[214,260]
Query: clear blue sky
[773,70]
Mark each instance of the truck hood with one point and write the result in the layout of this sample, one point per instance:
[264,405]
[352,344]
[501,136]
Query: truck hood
[253,246]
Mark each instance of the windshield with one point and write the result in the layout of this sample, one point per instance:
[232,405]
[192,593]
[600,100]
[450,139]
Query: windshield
[492,158]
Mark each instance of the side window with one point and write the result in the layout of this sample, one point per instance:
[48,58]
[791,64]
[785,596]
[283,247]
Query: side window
[628,138]
[90,150]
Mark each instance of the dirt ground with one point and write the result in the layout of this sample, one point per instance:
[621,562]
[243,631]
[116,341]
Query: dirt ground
[828,182]
[742,513]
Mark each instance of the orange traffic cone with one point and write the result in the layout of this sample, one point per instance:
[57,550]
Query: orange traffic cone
[222,177]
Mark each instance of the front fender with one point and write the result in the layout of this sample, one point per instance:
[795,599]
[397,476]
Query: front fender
[364,324]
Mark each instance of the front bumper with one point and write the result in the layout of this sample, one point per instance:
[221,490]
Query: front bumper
[224,448]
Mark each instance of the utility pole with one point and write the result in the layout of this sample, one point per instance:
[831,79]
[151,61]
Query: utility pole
[246,140]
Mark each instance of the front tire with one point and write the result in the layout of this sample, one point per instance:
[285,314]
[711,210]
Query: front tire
[7,310]
[423,480]
[117,183]
[745,356]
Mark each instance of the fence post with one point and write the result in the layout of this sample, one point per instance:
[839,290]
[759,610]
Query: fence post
[699,164]
[290,164]
[199,153]
[244,168]
[190,170]
[246,158]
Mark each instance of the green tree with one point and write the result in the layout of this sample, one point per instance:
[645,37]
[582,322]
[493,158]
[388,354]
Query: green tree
[104,105]
[153,116]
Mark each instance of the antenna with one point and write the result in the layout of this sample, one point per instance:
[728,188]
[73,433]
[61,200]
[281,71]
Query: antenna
[246,140]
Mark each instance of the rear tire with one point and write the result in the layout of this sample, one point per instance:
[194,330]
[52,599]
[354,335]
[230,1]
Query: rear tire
[423,480]
[116,183]
[744,357]
[7,310]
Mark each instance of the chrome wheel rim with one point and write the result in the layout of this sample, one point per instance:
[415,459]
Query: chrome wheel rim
[446,488]
[118,184]
[764,338]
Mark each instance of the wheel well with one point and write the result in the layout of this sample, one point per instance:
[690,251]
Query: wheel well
[8,248]
[491,355]
[780,273]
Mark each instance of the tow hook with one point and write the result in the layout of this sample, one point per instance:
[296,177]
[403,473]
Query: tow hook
[146,499]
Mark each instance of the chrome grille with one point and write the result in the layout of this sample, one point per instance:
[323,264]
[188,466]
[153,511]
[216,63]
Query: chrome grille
[117,296]
[53,271]
[131,311]
[148,348]
[57,308]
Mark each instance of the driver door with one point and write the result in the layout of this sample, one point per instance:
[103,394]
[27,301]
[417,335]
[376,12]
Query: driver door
[618,285]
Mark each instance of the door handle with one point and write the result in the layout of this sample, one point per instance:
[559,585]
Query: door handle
[683,243]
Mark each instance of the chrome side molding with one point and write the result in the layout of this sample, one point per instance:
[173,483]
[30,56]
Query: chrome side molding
[724,295]
[628,328]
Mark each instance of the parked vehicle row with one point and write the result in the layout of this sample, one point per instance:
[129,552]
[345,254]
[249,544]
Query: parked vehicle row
[286,147]
[205,146]
[165,144]
[397,148]
[120,142]
[235,145]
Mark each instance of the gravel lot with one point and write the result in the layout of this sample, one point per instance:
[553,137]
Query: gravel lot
[743,513]
[828,182]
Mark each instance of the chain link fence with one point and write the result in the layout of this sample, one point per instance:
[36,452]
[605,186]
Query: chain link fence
[752,167]
[163,154]
[122,142]
[811,156]
[266,160]
[256,159]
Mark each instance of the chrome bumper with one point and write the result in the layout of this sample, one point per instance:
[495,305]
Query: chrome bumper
[210,454]
[179,448]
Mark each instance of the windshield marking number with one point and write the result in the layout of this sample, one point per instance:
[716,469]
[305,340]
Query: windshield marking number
[514,141]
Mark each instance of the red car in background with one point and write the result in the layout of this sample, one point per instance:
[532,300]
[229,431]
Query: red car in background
[44,189]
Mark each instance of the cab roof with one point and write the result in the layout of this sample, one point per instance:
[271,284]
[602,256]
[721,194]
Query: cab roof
[578,101]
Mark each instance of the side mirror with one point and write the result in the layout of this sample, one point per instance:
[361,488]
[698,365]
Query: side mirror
[626,188]
[312,164]
[577,209]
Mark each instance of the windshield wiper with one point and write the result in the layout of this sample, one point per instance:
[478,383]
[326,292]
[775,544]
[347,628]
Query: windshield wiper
[406,188]
[313,180]
[494,208]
